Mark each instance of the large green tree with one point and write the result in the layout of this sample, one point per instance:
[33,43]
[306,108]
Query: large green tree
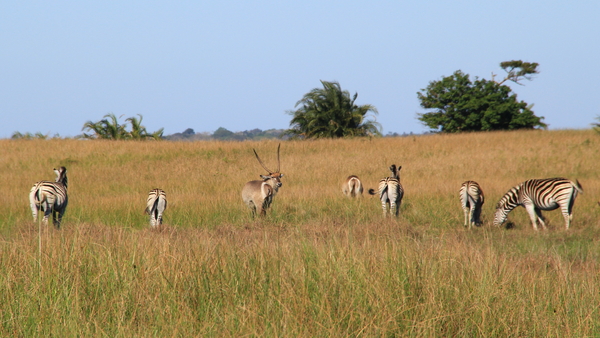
[460,104]
[331,112]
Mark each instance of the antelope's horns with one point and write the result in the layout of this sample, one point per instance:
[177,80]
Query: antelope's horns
[261,162]
[264,166]
[278,163]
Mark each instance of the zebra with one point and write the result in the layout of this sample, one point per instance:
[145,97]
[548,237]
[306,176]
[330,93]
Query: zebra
[352,186]
[156,205]
[258,194]
[390,191]
[472,199]
[537,195]
[50,198]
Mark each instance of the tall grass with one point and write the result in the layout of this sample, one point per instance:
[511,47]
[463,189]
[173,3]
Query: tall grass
[319,264]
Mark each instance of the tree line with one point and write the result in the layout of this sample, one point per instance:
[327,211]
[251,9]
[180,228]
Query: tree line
[453,104]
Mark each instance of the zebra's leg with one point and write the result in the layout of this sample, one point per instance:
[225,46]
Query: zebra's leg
[568,219]
[393,208]
[567,211]
[34,211]
[532,215]
[153,218]
[384,207]
[57,218]
[466,212]
[472,215]
[568,215]
[540,218]
[477,214]
[45,210]
[46,216]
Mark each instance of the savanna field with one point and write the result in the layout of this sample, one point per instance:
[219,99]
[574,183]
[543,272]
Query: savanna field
[319,264]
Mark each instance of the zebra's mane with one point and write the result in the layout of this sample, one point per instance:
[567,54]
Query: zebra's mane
[511,196]
[63,180]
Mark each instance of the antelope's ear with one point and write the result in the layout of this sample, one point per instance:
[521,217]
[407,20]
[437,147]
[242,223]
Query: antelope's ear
[281,175]
[265,177]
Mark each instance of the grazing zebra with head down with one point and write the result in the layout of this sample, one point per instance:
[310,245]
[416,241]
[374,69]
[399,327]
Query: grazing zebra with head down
[352,187]
[390,191]
[537,195]
[156,205]
[50,197]
[472,199]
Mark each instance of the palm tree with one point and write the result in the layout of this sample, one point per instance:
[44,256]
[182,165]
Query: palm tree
[138,132]
[109,128]
[105,129]
[331,112]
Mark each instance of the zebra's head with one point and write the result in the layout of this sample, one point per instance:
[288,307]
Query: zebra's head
[507,203]
[500,216]
[61,175]
[395,171]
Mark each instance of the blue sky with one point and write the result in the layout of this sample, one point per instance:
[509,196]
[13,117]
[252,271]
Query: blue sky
[242,65]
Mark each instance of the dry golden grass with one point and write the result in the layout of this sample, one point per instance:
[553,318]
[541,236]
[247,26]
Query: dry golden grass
[319,264]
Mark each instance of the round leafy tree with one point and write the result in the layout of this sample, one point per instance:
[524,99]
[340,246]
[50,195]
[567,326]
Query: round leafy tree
[462,105]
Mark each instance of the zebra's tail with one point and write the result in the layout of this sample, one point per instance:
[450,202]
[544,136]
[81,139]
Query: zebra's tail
[151,206]
[578,186]
[372,192]
[464,197]
[155,207]
[40,197]
[352,186]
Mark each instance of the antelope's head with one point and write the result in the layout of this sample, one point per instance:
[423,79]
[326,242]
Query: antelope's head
[274,175]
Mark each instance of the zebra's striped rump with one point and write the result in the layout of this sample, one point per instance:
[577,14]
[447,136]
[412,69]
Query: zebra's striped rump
[156,205]
[472,199]
[537,195]
[390,191]
[50,198]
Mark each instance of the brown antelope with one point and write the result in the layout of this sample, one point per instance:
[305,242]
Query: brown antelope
[352,187]
[258,195]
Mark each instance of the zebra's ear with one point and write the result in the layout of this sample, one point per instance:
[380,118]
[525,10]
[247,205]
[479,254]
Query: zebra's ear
[400,167]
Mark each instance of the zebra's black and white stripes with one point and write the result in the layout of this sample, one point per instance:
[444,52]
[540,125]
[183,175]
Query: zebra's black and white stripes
[390,191]
[537,195]
[50,197]
[471,199]
[156,205]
